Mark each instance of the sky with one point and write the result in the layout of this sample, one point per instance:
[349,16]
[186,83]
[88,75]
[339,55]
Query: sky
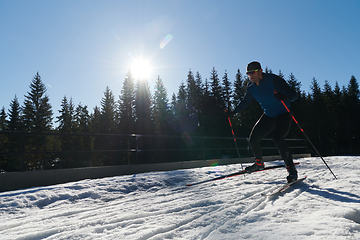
[81,47]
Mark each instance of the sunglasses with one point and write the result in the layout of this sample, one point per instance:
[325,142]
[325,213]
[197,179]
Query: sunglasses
[251,72]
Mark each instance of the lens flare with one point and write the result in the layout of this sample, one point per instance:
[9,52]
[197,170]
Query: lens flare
[214,162]
[165,41]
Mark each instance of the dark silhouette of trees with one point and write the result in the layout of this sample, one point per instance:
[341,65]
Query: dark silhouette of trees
[142,123]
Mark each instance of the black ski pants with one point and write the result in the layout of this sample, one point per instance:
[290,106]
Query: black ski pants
[280,126]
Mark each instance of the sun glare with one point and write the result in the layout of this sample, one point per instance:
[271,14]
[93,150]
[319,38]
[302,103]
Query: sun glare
[141,68]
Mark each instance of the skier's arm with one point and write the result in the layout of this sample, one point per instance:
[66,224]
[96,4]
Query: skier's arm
[282,87]
[244,102]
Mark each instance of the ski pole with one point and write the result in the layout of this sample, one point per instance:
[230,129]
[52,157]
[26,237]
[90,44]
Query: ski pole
[307,137]
[237,149]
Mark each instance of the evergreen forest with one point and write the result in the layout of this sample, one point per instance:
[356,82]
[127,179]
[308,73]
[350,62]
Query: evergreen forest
[134,125]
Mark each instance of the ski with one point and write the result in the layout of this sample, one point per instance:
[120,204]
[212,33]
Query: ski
[284,187]
[236,174]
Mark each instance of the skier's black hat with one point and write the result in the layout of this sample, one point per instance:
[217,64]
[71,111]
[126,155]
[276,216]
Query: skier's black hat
[253,66]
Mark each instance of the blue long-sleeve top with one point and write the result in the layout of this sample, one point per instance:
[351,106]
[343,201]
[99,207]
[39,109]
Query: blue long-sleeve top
[264,95]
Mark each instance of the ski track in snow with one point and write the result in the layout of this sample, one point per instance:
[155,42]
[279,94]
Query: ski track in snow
[158,206]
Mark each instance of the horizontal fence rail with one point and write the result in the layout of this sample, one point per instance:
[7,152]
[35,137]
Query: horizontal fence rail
[21,151]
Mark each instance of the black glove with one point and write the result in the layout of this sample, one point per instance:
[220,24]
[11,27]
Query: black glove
[280,96]
[229,113]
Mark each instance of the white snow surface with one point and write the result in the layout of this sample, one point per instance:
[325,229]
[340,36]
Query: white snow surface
[158,205]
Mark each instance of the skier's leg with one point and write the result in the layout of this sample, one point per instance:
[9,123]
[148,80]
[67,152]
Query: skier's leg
[263,127]
[282,128]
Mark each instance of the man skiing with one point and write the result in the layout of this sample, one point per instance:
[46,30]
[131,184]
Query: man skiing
[269,90]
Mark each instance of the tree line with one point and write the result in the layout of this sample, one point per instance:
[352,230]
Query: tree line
[102,137]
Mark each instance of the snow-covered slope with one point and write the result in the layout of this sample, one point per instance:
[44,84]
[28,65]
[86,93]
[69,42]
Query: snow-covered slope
[159,206]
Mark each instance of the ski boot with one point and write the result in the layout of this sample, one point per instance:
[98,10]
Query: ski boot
[258,165]
[293,176]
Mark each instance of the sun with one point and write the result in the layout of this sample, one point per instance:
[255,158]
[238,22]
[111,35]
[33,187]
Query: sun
[141,68]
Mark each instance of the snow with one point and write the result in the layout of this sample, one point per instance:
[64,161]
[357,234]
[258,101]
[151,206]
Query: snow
[158,205]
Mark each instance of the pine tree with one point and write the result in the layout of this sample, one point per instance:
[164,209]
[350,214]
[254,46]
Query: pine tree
[161,116]
[199,88]
[238,95]
[179,110]
[107,126]
[160,108]
[172,113]
[212,119]
[82,119]
[294,83]
[297,106]
[345,131]
[267,70]
[315,115]
[353,89]
[184,120]
[126,117]
[66,118]
[227,92]
[3,140]
[108,112]
[281,74]
[191,90]
[329,126]
[173,104]
[143,116]
[126,110]
[3,121]
[183,110]
[15,122]
[83,143]
[15,141]
[37,111]
[216,91]
[97,159]
[206,88]
[199,92]
[95,120]
[181,97]
[37,117]
[239,88]
[67,125]
[337,118]
[352,104]
[206,117]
